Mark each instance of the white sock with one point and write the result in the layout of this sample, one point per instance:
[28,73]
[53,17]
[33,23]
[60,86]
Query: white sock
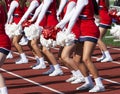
[3,90]
[42,60]
[98,81]
[88,80]
[73,72]
[56,67]
[23,56]
[107,54]
[79,74]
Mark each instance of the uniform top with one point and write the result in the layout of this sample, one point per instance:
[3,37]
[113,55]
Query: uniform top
[3,20]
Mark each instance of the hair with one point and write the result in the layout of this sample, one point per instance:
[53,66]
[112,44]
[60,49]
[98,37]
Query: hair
[58,3]
[3,3]
[22,3]
[96,7]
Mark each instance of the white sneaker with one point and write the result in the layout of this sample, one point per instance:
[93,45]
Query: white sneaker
[9,56]
[107,59]
[97,88]
[21,61]
[24,41]
[85,87]
[71,79]
[101,58]
[78,80]
[39,66]
[56,73]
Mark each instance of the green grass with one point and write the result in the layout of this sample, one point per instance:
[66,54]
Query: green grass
[110,41]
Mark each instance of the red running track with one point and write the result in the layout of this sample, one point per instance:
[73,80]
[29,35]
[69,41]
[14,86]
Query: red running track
[21,79]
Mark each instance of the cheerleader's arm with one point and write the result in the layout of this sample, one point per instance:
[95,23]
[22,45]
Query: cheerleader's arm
[61,6]
[32,6]
[78,9]
[36,12]
[13,5]
[67,16]
[45,7]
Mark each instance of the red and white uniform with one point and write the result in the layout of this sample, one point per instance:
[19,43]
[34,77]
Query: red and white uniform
[76,28]
[15,12]
[105,19]
[5,44]
[51,18]
[48,14]
[85,12]
[8,3]
[30,11]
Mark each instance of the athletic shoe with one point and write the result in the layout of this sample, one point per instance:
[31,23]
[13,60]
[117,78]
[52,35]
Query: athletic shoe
[39,66]
[85,87]
[48,72]
[78,80]
[71,79]
[9,56]
[21,61]
[107,59]
[56,73]
[97,88]
[101,58]
[23,41]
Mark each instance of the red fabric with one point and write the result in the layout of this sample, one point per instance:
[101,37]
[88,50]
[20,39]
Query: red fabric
[19,11]
[76,27]
[50,32]
[87,26]
[4,39]
[103,13]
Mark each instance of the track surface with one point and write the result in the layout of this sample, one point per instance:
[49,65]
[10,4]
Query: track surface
[21,79]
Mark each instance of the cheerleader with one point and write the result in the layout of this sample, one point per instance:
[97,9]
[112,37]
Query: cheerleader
[68,47]
[47,13]
[104,25]
[5,45]
[33,43]
[15,13]
[89,36]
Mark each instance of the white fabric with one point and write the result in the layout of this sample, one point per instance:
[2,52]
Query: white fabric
[61,6]
[33,32]
[45,6]
[13,29]
[67,16]
[13,5]
[32,6]
[37,12]
[79,7]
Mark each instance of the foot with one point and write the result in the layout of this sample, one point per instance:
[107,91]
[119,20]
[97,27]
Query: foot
[97,88]
[9,56]
[71,79]
[21,61]
[107,59]
[39,66]
[24,42]
[56,73]
[48,72]
[101,58]
[85,87]
[78,80]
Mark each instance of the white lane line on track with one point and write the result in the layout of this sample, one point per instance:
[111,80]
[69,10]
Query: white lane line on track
[111,61]
[33,82]
[111,81]
[93,57]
